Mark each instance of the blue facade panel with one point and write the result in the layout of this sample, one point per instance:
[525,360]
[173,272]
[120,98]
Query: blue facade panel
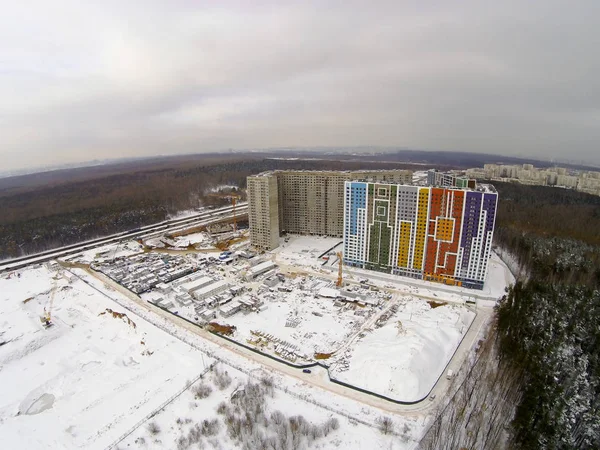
[358,199]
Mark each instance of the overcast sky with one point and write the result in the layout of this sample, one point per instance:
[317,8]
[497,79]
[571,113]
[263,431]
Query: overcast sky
[83,80]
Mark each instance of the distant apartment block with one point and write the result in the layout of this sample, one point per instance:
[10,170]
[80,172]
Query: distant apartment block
[439,234]
[443,179]
[304,202]
[263,211]
[584,181]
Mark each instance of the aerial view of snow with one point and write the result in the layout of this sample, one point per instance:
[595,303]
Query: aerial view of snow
[305,250]
[108,252]
[195,238]
[311,325]
[404,358]
[223,187]
[89,377]
[200,417]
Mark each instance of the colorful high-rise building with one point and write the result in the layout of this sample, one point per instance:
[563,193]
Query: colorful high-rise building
[433,233]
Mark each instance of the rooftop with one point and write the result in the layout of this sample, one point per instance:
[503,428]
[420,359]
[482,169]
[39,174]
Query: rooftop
[210,287]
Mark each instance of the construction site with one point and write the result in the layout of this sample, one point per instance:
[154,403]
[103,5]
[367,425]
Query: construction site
[297,305]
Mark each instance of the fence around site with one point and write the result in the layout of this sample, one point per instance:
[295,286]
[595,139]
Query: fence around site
[318,364]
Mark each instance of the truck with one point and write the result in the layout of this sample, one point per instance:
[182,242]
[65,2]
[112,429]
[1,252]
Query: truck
[450,374]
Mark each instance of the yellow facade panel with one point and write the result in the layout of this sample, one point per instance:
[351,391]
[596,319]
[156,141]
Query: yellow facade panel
[404,243]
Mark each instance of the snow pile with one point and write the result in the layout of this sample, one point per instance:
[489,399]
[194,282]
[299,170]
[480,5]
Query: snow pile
[404,358]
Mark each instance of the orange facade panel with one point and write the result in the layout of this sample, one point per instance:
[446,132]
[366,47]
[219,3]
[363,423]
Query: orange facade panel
[446,213]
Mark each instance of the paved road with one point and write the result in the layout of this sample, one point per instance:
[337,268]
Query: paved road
[318,378]
[204,218]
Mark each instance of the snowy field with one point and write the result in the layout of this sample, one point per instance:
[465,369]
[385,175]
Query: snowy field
[407,428]
[92,376]
[304,250]
[87,379]
[404,358]
[195,421]
[191,239]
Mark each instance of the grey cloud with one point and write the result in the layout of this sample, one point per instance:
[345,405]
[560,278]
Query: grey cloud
[88,81]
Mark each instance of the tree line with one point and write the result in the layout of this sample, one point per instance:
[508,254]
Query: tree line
[38,218]
[534,382]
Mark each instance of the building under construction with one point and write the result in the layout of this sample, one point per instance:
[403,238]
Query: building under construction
[304,202]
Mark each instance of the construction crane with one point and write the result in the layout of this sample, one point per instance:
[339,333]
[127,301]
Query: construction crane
[46,318]
[234,198]
[115,252]
[340,280]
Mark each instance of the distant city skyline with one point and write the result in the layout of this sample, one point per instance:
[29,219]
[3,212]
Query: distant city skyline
[308,151]
[84,81]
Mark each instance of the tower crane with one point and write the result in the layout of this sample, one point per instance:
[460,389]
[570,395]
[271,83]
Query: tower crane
[234,198]
[340,280]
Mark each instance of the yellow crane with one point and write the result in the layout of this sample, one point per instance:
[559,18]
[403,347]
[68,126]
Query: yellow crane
[46,318]
[340,280]
[234,198]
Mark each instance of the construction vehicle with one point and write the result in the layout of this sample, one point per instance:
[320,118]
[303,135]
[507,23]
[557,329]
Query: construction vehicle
[46,318]
[340,280]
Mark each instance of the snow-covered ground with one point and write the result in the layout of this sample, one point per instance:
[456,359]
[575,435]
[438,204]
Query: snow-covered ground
[175,424]
[223,187]
[191,239]
[295,386]
[187,213]
[312,325]
[87,379]
[304,250]
[404,358]
[108,252]
[93,376]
